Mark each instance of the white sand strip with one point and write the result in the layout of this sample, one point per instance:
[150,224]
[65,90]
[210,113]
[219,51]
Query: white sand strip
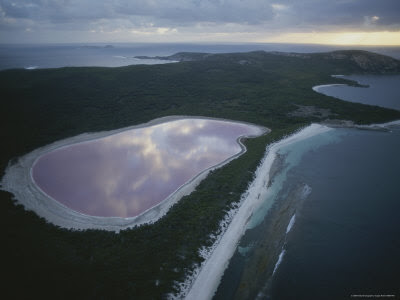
[279,261]
[291,223]
[318,88]
[18,180]
[208,277]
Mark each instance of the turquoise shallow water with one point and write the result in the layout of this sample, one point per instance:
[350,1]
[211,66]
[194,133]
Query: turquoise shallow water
[292,157]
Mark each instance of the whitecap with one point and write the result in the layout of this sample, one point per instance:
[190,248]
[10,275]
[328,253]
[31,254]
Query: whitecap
[291,223]
[279,261]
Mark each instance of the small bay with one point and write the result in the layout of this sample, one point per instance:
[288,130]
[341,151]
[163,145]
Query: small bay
[380,90]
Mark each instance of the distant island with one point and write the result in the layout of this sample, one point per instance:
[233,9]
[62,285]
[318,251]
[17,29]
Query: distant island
[42,106]
[366,61]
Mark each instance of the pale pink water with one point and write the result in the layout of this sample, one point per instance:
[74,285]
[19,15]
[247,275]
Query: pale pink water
[124,174]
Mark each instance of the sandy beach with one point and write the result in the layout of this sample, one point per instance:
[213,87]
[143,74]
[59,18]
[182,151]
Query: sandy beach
[317,88]
[18,180]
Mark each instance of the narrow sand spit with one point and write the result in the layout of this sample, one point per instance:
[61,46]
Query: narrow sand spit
[18,180]
[317,88]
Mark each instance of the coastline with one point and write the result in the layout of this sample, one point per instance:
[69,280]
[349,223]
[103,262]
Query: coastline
[208,275]
[266,257]
[350,124]
[18,180]
[318,87]
[206,278]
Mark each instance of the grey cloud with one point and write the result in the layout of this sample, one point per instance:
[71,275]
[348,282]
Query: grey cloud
[345,12]
[55,10]
[18,9]
[177,12]
[233,11]
[187,14]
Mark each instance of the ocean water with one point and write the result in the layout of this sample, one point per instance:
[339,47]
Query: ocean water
[346,237]
[331,228]
[262,248]
[381,90]
[122,54]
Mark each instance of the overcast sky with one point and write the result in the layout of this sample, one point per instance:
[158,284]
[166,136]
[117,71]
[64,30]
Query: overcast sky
[195,20]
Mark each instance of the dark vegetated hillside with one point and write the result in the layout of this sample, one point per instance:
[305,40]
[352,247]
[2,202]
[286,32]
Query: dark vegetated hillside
[41,106]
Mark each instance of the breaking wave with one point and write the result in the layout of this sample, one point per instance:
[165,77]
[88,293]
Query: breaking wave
[279,261]
[291,223]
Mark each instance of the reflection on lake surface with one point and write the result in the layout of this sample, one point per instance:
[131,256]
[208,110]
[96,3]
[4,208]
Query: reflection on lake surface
[125,174]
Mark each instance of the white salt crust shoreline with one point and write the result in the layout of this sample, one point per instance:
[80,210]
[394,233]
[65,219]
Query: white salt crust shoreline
[205,279]
[18,181]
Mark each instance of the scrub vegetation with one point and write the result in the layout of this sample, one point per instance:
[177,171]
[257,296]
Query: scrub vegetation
[42,106]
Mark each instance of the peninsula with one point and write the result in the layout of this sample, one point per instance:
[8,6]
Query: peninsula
[39,107]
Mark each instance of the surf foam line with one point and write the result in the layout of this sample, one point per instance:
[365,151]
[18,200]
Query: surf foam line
[306,191]
[204,280]
[291,223]
[279,261]
[304,194]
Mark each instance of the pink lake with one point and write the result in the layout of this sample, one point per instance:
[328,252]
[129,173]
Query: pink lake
[127,173]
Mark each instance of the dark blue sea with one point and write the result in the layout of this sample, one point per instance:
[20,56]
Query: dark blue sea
[337,230]
[346,237]
[123,54]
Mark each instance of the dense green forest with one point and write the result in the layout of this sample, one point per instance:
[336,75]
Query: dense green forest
[42,106]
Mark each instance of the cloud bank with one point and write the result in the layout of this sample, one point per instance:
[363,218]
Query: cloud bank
[127,20]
